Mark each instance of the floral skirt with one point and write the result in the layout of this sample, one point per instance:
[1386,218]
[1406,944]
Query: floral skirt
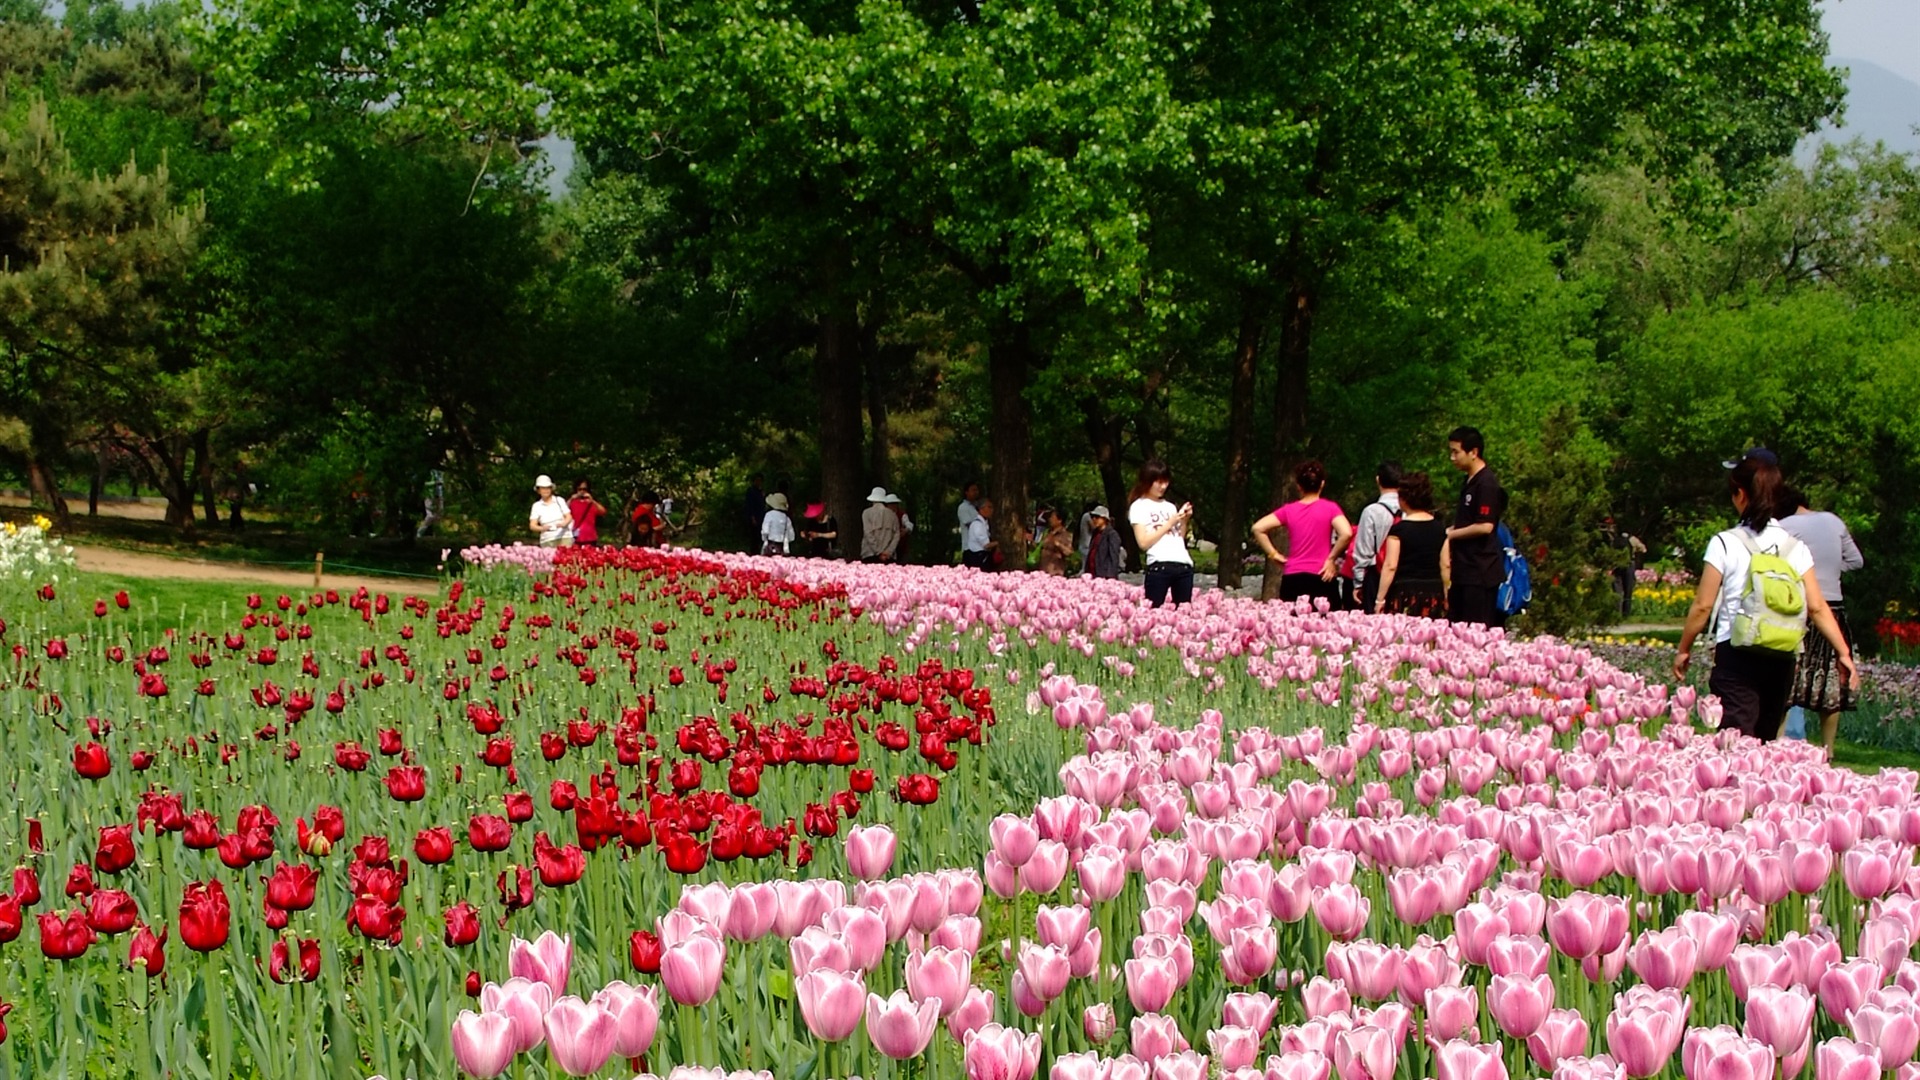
[1817,685]
[1427,599]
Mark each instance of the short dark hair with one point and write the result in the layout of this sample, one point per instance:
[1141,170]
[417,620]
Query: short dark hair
[1469,438]
[1792,498]
[1416,492]
[1388,474]
[1310,476]
[969,486]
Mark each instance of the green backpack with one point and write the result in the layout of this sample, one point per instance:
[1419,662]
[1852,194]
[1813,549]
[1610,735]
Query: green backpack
[1773,613]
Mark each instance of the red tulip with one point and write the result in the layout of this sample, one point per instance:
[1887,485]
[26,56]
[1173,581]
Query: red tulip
[433,846]
[26,886]
[148,953]
[407,783]
[121,600]
[373,851]
[349,756]
[516,888]
[489,832]
[292,886]
[79,881]
[390,742]
[281,960]
[463,925]
[111,911]
[684,854]
[63,935]
[562,794]
[860,781]
[205,917]
[643,949]
[115,852]
[919,789]
[558,865]
[685,775]
[498,752]
[10,918]
[91,761]
[519,806]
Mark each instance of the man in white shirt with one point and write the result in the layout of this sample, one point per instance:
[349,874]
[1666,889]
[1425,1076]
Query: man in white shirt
[976,540]
[969,509]
[550,519]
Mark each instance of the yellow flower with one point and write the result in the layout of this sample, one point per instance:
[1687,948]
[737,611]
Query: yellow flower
[12,528]
[43,521]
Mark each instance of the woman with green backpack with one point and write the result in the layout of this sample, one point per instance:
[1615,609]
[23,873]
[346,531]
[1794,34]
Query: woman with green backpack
[1759,594]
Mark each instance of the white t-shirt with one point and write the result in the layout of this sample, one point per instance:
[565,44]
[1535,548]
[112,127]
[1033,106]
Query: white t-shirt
[1154,513]
[967,513]
[552,516]
[777,528]
[1728,555]
[977,534]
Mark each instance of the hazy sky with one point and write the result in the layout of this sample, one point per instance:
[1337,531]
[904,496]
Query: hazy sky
[1886,32]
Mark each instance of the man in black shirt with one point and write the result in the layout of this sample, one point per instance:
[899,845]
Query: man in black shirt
[1479,565]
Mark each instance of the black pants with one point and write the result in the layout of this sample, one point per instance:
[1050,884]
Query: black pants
[1166,579]
[1367,590]
[1475,604]
[1623,588]
[979,560]
[1753,686]
[1310,586]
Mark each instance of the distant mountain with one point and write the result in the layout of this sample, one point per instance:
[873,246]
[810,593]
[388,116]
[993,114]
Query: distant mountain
[1880,105]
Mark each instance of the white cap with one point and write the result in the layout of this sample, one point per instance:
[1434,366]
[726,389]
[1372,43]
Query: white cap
[543,480]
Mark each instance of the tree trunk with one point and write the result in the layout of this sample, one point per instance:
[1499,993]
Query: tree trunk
[1289,403]
[1009,356]
[98,482]
[1233,506]
[172,478]
[45,446]
[879,438]
[836,369]
[203,475]
[1103,432]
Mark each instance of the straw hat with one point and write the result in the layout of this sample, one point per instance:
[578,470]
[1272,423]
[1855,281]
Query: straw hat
[878,494]
[543,480]
[777,501]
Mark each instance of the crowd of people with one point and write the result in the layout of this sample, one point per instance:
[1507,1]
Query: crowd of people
[1776,572]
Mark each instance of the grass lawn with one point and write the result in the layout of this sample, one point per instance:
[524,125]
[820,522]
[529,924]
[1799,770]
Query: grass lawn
[264,542]
[174,602]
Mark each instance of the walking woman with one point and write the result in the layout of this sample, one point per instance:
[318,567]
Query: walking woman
[1415,564]
[1817,685]
[1754,683]
[1317,533]
[1160,529]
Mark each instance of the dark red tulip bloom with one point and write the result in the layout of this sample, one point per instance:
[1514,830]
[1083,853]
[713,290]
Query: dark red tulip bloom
[489,832]
[329,822]
[205,689]
[860,780]
[519,806]
[562,795]
[283,967]
[498,752]
[553,745]
[26,886]
[57,649]
[373,851]
[115,852]
[516,888]
[235,853]
[643,950]
[433,846]
[253,601]
[292,886]
[559,866]
[684,854]
[336,701]
[407,783]
[349,756]
[11,918]
[91,761]
[202,831]
[111,911]
[390,743]
[5,1008]
[79,881]
[272,917]
[685,775]
[463,925]
[205,917]
[148,953]
[36,840]
[919,789]
[121,600]
[473,984]
[743,781]
[820,821]
[153,685]
[64,935]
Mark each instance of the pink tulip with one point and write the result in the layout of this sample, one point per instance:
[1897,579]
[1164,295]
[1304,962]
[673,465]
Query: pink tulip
[1868,870]
[973,1014]
[1452,1011]
[815,948]
[1341,911]
[1044,872]
[1254,1011]
[869,850]
[1014,839]
[691,969]
[1563,1035]
[1458,1059]
[711,903]
[1233,1047]
[830,1002]
[1762,965]
[1299,1065]
[546,959]
[1249,954]
[1476,927]
[1664,958]
[1152,1036]
[863,932]
[636,1015]
[898,1027]
[1031,1005]
[1151,982]
[1063,927]
[523,1001]
[1365,1052]
[958,932]
[1809,864]
[1845,1059]
[1780,1018]
[1423,967]
[1519,1004]
[1102,872]
[1002,877]
[942,974]
[1643,1033]
[1721,1053]
[997,1053]
[1845,987]
[752,911]
[1887,939]
[1184,1065]
[1082,1066]
[1891,1026]
[1595,1068]
[1098,1023]
[1046,967]
[483,1043]
[1084,962]
[1325,997]
[580,1036]
[1714,937]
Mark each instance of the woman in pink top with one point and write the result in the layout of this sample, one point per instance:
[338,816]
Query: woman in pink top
[1317,534]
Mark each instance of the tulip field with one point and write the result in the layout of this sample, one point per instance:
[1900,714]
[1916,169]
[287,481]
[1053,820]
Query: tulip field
[618,812]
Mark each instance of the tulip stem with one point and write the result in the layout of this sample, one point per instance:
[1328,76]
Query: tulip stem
[218,1033]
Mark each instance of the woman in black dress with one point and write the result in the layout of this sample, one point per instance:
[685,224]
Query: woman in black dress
[1415,566]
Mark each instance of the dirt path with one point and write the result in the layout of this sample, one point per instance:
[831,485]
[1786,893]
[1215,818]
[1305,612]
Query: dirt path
[138,564]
